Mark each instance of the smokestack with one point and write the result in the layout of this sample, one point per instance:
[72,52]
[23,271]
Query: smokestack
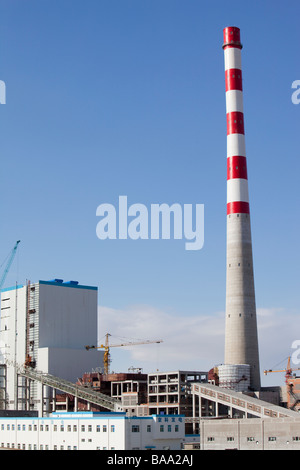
[241,341]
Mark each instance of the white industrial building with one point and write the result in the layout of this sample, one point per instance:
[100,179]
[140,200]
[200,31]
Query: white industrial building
[46,325]
[92,431]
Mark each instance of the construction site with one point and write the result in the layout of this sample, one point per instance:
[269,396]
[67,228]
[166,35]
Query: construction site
[57,391]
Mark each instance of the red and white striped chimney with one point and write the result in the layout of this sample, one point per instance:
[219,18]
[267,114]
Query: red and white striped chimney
[241,341]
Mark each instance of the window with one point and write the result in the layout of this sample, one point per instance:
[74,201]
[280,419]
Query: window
[210,439]
[55,427]
[176,428]
[250,439]
[230,438]
[148,427]
[135,428]
[69,428]
[82,428]
[112,428]
[75,428]
[161,428]
[169,428]
[104,428]
[296,438]
[98,429]
[89,428]
[272,438]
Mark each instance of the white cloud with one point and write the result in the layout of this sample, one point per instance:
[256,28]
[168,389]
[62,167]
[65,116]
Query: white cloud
[189,342]
[192,342]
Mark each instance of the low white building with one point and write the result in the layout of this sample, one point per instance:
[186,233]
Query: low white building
[92,431]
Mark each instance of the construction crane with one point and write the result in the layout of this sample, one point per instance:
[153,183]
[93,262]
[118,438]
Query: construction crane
[293,399]
[107,346]
[288,371]
[9,263]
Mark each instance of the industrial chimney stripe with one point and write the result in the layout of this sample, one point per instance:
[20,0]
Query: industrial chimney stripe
[238,207]
[237,167]
[235,123]
[233,79]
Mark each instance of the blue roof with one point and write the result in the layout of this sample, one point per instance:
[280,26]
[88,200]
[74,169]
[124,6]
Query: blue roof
[61,282]
[55,282]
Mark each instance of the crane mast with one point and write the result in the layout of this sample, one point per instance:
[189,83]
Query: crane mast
[9,263]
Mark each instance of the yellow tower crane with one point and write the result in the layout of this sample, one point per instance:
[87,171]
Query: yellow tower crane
[107,346]
[288,371]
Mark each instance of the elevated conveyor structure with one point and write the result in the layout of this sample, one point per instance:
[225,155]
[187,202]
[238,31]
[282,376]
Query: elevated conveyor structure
[246,405]
[65,386]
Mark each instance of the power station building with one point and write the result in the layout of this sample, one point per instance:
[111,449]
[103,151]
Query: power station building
[45,325]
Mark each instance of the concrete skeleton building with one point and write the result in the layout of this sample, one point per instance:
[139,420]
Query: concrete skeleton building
[170,392]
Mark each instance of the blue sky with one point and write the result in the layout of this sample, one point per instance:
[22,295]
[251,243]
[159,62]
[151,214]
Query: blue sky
[127,97]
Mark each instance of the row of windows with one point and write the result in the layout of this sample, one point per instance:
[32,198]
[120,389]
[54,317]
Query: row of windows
[252,439]
[46,427]
[45,447]
[162,427]
[83,428]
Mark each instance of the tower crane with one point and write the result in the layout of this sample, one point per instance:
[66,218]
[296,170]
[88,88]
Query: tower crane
[288,371]
[293,398]
[9,263]
[107,346]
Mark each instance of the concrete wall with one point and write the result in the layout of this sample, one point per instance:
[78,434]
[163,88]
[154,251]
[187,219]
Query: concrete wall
[250,434]
[67,316]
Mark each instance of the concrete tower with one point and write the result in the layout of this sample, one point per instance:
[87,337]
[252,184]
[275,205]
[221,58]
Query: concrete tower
[241,341]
